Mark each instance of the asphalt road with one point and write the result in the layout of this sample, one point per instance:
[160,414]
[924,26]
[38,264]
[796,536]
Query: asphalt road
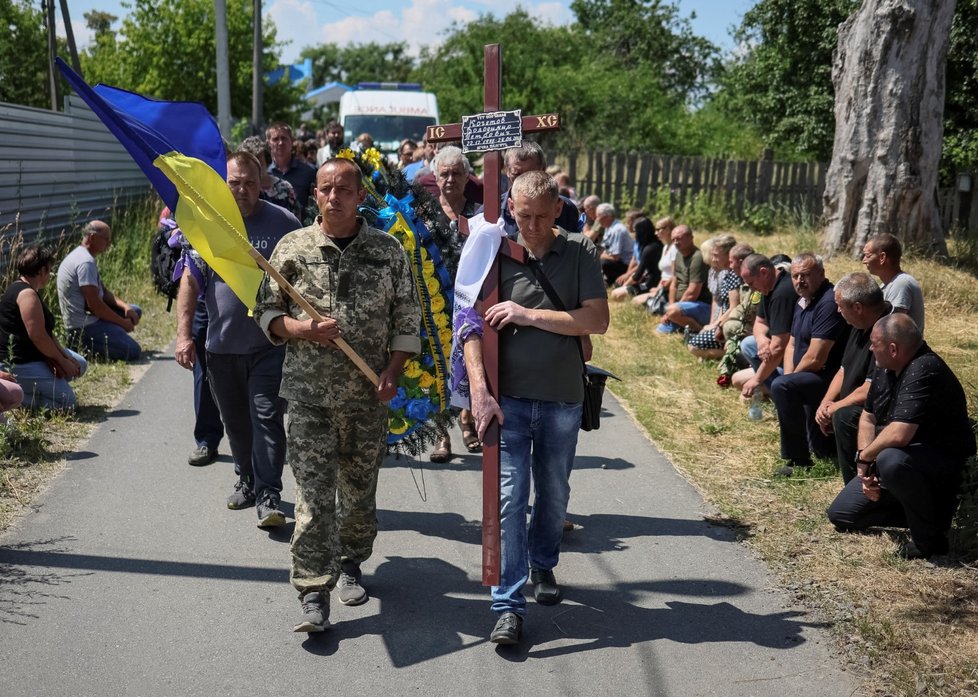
[131,577]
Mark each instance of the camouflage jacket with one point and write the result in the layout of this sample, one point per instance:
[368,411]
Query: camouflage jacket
[367,288]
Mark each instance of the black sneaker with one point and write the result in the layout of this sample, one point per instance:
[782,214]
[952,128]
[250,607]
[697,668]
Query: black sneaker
[315,612]
[508,629]
[202,455]
[269,516]
[348,588]
[545,588]
[242,496]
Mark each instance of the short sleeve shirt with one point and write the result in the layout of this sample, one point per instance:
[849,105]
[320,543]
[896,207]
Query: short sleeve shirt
[904,293]
[301,175]
[857,361]
[778,307]
[534,363]
[820,319]
[692,269]
[76,270]
[617,241]
[928,394]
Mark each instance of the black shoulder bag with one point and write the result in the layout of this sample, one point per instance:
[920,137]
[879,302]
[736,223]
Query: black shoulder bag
[594,378]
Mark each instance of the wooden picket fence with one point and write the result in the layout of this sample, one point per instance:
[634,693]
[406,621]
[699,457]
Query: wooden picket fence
[632,179]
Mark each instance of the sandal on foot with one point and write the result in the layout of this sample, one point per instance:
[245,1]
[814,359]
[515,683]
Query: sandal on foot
[470,438]
[442,452]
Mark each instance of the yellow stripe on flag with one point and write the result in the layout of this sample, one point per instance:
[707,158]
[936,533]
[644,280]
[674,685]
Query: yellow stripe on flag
[209,218]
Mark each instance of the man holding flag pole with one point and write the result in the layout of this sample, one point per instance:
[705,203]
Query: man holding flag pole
[360,280]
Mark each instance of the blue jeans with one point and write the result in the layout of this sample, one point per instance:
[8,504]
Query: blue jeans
[107,340]
[245,387]
[688,308]
[748,347]
[208,429]
[540,438]
[42,389]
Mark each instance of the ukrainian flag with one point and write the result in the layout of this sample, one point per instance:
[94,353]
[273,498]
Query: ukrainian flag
[179,148]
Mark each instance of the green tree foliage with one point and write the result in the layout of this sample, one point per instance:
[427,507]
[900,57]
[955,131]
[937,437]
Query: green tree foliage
[961,104]
[24,55]
[650,35]
[611,92]
[165,49]
[370,62]
[781,85]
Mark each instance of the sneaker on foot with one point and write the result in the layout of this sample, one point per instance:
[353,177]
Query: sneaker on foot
[269,516]
[242,496]
[545,588]
[202,455]
[348,588]
[315,612]
[508,628]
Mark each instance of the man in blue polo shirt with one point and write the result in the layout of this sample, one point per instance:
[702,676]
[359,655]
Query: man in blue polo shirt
[814,354]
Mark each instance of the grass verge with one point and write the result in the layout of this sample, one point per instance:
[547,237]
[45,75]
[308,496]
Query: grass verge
[33,446]
[913,626]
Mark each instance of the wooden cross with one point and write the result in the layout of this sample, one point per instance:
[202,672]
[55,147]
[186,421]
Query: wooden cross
[492,96]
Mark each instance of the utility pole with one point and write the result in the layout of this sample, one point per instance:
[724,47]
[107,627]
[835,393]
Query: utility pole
[223,72]
[70,35]
[257,74]
[52,74]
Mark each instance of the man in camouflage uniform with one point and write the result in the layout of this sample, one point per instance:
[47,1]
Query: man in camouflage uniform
[359,279]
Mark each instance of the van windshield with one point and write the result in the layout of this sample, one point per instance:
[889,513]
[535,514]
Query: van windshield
[387,129]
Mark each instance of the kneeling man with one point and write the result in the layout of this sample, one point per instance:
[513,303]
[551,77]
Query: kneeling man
[914,438]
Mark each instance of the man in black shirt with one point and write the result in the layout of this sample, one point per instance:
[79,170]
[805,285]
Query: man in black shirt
[914,437]
[861,304]
[772,327]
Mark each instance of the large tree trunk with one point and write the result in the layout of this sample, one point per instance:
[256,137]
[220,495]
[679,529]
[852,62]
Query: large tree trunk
[888,74]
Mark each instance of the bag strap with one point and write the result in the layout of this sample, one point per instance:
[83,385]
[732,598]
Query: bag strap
[537,268]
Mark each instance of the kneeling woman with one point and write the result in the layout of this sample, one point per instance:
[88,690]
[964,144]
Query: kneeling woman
[28,347]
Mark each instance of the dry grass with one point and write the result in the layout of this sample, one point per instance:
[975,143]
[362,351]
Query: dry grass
[913,626]
[33,446]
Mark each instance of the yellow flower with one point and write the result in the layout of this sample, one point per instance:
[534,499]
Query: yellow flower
[397,427]
[445,337]
[346,153]
[427,265]
[441,319]
[412,370]
[408,242]
[433,284]
[426,381]
[437,302]
[372,155]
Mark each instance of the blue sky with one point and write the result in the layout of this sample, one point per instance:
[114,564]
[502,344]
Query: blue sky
[311,22]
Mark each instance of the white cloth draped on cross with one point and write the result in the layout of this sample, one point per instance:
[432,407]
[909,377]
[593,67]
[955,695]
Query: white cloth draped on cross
[474,264]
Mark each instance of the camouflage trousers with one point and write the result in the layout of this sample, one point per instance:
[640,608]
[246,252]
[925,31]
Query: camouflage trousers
[335,456]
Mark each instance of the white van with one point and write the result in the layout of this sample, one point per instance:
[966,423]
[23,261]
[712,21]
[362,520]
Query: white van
[388,111]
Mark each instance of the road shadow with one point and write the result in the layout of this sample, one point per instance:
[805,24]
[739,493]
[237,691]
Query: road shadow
[28,570]
[597,533]
[430,608]
[472,462]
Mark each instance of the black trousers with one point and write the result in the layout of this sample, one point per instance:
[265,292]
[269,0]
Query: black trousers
[845,425]
[920,491]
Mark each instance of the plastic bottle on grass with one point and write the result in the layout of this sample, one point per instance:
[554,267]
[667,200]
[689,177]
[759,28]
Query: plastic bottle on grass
[754,411]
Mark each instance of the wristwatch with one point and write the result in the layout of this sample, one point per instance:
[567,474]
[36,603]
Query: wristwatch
[860,460]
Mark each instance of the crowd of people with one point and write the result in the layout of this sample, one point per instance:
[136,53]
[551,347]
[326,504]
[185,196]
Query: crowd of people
[845,364]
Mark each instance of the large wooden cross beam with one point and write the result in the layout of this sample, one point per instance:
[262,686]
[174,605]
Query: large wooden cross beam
[493,131]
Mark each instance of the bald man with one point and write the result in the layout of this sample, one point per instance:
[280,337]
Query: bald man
[914,438]
[96,320]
